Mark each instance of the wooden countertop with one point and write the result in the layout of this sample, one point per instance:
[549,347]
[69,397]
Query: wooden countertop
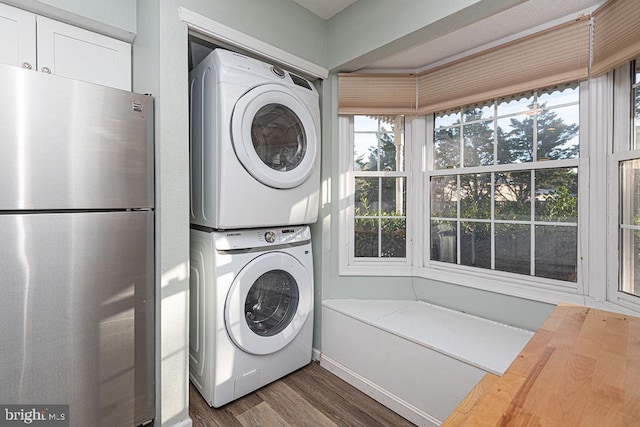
[581,368]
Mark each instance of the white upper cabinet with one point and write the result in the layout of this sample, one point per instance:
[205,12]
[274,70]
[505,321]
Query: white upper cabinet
[17,37]
[63,49]
[79,54]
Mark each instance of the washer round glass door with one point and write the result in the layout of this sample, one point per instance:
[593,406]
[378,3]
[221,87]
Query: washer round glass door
[268,303]
[274,136]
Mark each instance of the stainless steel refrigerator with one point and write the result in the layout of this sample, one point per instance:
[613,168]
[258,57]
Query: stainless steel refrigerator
[76,248]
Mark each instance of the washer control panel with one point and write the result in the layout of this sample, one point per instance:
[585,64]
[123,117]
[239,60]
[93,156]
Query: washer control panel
[256,238]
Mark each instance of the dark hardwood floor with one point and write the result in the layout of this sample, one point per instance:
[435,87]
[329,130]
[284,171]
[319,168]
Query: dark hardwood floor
[311,396]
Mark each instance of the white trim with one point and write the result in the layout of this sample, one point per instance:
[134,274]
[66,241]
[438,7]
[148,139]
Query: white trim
[511,167]
[346,208]
[228,35]
[376,268]
[386,398]
[315,354]
[184,423]
[415,234]
[493,282]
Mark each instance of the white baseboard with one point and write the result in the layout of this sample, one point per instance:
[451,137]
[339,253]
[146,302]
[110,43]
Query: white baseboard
[389,400]
[184,423]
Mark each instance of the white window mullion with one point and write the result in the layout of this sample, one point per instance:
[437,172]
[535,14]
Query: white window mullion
[532,225]
[458,223]
[493,216]
[535,129]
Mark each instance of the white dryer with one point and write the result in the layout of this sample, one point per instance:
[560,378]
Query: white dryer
[255,144]
[251,319]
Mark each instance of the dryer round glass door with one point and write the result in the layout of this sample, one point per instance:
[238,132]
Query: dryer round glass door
[274,136]
[268,303]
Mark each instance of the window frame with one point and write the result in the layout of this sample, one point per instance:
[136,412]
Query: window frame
[348,263]
[620,150]
[538,288]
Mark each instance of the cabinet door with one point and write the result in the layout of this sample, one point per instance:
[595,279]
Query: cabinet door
[17,37]
[79,54]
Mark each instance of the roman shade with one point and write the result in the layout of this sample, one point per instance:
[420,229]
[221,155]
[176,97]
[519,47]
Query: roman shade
[546,58]
[616,34]
[384,94]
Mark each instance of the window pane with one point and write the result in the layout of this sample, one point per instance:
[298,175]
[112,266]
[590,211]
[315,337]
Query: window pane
[630,261]
[483,110]
[365,152]
[365,124]
[478,144]
[367,196]
[569,94]
[630,220]
[444,197]
[447,118]
[366,238]
[557,195]
[392,123]
[512,196]
[515,139]
[394,237]
[515,104]
[630,192]
[513,248]
[558,133]
[391,151]
[556,252]
[394,196]
[475,196]
[475,245]
[447,148]
[443,241]
[636,121]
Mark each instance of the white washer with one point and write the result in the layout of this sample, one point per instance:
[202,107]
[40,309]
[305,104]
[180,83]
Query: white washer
[255,144]
[251,318]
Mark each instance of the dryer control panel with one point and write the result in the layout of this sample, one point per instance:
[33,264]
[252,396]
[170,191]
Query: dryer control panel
[263,237]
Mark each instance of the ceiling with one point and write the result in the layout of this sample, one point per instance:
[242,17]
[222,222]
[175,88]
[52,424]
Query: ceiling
[325,9]
[526,17]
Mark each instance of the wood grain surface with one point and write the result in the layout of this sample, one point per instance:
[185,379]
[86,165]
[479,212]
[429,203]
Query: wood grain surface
[581,368]
[311,396]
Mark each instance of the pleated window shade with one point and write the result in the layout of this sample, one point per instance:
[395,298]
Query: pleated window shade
[616,34]
[546,58]
[550,57]
[383,94]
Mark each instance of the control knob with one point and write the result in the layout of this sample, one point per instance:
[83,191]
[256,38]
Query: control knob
[278,71]
[270,236]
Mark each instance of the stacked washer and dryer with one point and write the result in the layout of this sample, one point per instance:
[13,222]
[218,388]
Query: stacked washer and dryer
[255,177]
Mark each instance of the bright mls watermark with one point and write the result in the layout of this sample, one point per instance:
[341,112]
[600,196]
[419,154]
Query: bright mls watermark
[34,415]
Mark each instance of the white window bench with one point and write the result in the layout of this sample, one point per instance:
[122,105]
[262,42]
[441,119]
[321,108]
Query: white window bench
[416,358]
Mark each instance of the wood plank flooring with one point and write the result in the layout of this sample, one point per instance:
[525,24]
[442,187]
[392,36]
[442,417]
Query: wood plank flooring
[311,396]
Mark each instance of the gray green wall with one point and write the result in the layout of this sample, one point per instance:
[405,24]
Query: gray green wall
[118,13]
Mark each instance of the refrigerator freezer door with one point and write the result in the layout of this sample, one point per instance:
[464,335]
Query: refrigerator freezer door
[76,314]
[68,144]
